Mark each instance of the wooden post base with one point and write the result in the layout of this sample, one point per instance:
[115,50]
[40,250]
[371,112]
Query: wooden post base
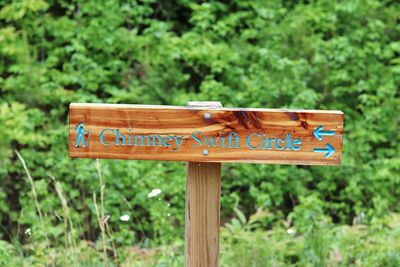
[203,190]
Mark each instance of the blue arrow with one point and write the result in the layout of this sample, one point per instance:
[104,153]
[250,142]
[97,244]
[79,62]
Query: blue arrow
[318,133]
[329,150]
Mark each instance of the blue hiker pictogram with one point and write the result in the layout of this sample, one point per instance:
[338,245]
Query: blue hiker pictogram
[80,129]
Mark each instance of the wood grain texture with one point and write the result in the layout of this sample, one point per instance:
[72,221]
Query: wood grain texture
[202,216]
[183,121]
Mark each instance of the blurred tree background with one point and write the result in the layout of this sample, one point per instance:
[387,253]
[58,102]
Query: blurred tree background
[274,53]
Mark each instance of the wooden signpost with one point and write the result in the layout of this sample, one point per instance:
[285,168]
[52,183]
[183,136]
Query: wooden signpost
[204,134]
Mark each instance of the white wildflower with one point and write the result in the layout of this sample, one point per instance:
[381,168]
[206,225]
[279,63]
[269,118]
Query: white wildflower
[154,192]
[28,231]
[291,231]
[124,218]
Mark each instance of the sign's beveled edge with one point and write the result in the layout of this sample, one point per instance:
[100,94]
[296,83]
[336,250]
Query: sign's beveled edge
[136,106]
[241,161]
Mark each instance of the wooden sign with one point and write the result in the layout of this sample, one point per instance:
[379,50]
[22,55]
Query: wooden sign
[205,134]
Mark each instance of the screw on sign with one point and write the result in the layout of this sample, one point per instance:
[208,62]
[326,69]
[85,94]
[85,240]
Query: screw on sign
[204,134]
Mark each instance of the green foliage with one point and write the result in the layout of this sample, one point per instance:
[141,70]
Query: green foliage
[277,54]
[323,245]
[6,253]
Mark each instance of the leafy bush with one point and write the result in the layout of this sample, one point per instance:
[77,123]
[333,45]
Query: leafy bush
[277,54]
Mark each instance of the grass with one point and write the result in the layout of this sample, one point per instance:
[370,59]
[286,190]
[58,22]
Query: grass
[349,246]
[69,231]
[244,243]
